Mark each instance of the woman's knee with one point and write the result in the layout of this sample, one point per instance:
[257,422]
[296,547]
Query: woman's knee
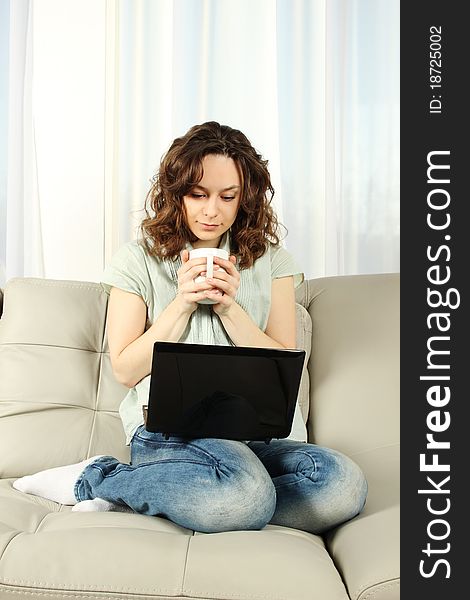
[334,489]
[345,490]
[352,485]
[244,499]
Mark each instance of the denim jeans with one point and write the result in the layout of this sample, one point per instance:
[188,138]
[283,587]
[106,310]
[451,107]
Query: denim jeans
[213,485]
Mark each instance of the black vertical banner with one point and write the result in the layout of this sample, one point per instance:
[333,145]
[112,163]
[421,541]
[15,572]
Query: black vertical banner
[435,329]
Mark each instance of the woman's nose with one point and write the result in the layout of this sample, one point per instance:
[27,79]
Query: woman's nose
[211,206]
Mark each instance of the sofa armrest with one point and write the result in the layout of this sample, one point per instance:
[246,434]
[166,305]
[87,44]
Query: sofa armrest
[355,408]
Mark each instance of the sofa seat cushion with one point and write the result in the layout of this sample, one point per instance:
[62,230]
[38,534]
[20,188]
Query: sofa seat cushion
[49,552]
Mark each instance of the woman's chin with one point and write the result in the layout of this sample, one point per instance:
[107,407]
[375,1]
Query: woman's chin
[206,240]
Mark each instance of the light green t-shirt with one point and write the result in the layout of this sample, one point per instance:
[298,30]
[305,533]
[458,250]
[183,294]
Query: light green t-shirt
[133,270]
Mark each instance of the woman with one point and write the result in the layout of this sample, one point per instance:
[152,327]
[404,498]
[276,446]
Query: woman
[211,191]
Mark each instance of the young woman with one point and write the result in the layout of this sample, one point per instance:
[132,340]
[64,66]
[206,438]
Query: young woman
[211,191]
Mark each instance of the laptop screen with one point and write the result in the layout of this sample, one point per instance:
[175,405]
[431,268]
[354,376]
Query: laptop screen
[228,392]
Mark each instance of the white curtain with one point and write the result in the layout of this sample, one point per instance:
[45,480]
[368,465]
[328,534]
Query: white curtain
[314,84]
[54,201]
[4,60]
[21,224]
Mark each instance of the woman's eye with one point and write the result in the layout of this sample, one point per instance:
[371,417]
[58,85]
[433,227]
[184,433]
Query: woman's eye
[196,195]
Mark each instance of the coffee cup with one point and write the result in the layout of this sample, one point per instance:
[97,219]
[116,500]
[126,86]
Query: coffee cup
[208,254]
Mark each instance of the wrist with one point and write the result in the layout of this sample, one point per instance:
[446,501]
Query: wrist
[183,308]
[229,315]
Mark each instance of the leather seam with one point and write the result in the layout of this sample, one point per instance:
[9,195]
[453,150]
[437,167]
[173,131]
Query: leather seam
[95,408]
[85,595]
[183,582]
[53,346]
[372,590]
[8,544]
[95,287]
[39,525]
[392,445]
[68,587]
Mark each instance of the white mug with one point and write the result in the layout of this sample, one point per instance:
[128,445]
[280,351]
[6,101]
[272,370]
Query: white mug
[209,254]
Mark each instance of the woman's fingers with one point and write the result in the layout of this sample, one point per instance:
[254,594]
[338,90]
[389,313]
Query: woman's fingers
[228,265]
[227,278]
[222,287]
[191,269]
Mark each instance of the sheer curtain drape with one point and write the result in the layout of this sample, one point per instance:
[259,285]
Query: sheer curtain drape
[313,83]
[20,230]
[54,173]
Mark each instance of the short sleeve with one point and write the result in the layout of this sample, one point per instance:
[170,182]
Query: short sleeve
[127,271]
[283,265]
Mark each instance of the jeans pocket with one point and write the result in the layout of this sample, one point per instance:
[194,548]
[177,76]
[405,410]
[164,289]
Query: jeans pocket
[147,437]
[137,432]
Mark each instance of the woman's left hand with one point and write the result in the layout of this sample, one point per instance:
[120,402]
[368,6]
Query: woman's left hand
[226,283]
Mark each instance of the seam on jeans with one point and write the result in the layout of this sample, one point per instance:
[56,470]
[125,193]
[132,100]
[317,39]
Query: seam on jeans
[78,483]
[300,477]
[290,451]
[169,444]
[188,443]
[299,480]
[303,453]
[124,467]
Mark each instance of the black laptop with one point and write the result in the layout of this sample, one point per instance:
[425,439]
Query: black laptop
[227,392]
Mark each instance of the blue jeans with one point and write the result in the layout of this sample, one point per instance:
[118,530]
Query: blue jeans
[213,485]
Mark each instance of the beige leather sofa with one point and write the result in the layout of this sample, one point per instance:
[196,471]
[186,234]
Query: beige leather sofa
[58,405]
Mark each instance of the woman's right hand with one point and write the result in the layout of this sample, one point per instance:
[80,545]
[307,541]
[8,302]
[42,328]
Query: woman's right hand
[189,292]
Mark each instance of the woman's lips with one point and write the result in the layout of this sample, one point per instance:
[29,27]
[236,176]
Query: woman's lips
[208,226]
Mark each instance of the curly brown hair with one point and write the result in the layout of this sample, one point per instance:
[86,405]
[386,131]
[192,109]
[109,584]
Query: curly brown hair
[165,231]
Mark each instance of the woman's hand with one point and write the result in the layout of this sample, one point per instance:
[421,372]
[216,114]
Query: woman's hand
[224,285]
[189,292]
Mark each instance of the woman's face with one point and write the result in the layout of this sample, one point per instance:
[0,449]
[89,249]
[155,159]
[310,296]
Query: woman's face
[211,206]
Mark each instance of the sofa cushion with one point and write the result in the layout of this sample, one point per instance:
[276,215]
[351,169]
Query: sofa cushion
[49,552]
[366,550]
[354,371]
[57,390]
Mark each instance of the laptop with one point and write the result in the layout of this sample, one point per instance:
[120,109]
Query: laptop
[226,392]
